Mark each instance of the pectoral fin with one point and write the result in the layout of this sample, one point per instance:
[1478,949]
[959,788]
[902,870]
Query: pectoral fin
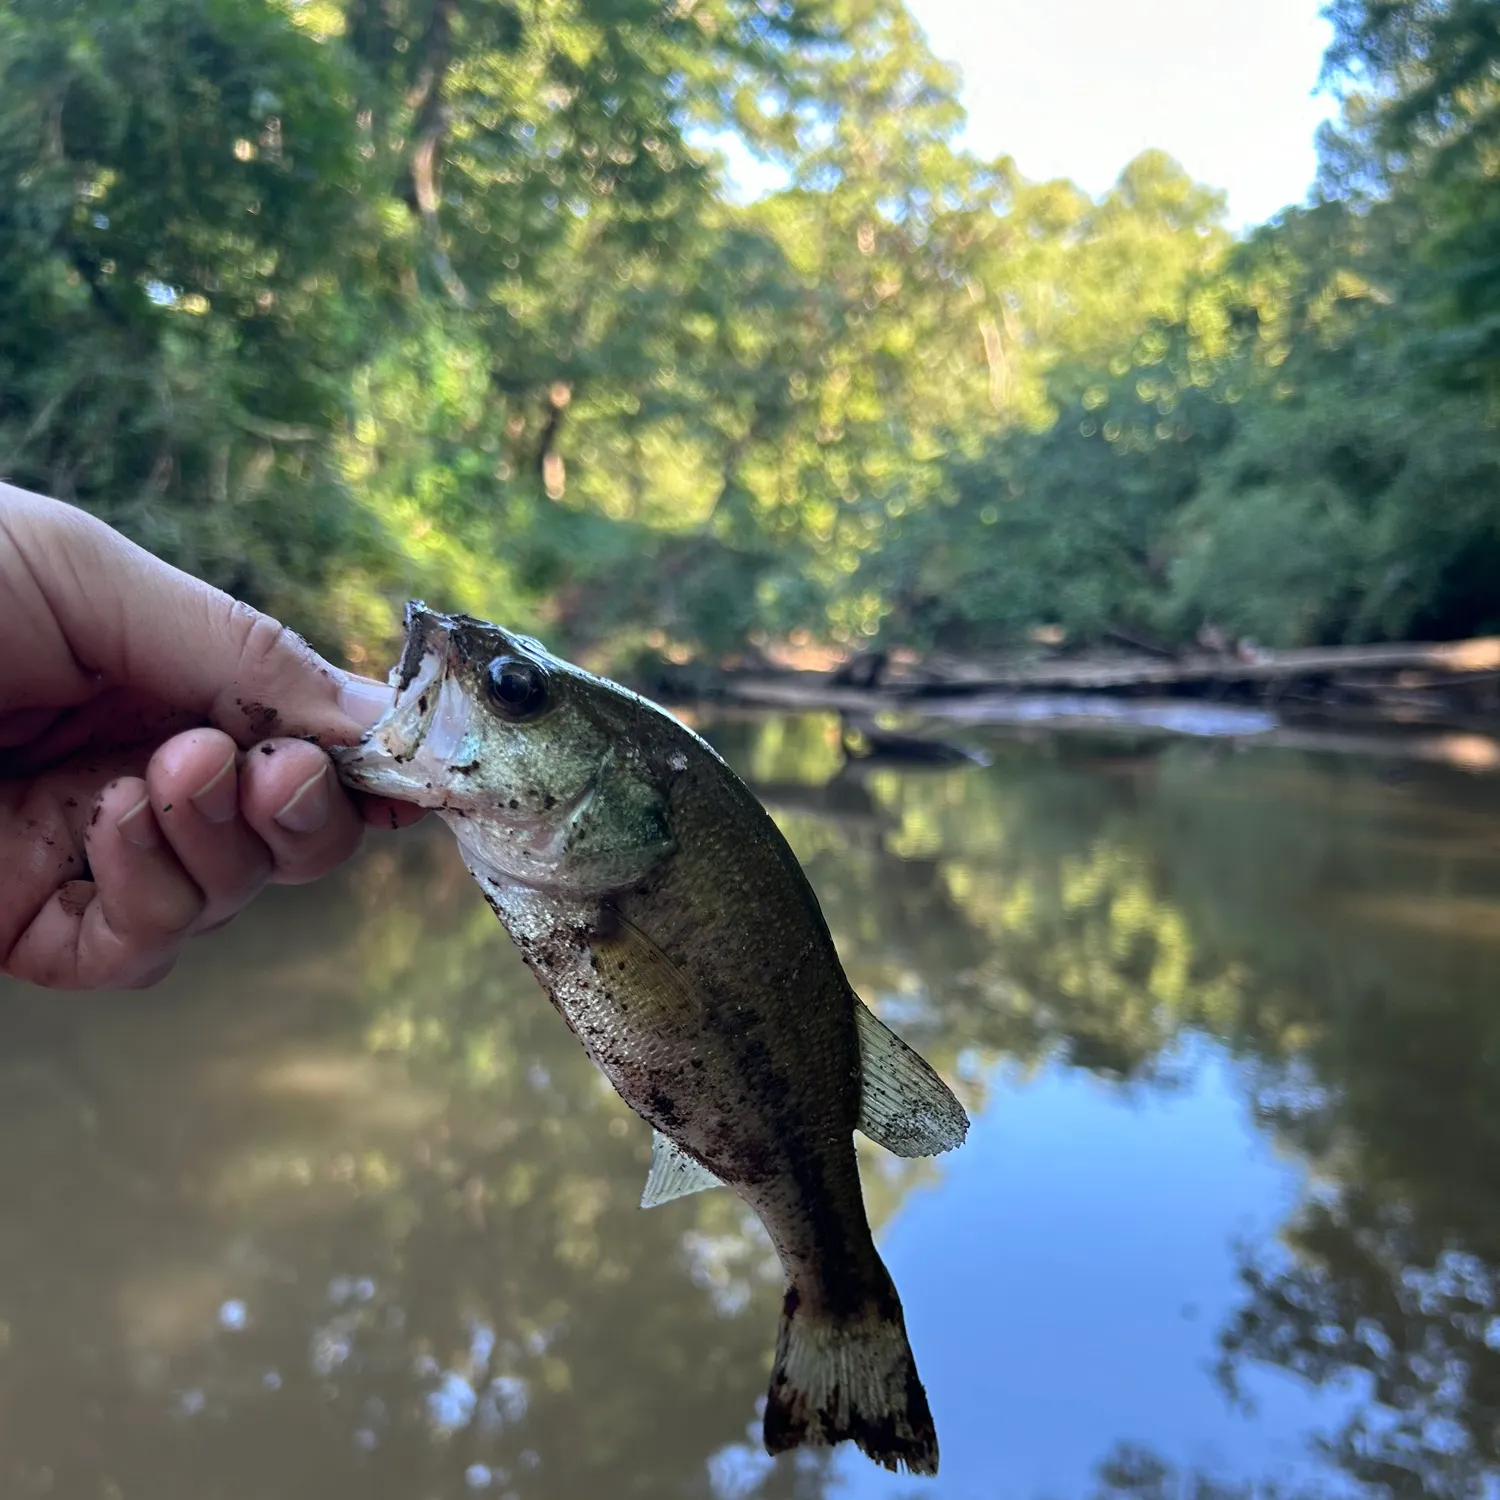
[673,1174]
[649,984]
[903,1104]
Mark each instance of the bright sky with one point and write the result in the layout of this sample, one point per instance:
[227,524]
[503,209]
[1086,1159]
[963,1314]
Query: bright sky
[1075,88]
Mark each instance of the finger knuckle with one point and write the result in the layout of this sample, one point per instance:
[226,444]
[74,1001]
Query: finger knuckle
[264,642]
[167,912]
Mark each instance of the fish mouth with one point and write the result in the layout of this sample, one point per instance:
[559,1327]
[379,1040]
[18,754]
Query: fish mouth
[423,727]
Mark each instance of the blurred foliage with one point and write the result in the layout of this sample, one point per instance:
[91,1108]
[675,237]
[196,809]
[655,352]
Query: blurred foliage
[1421,82]
[1135,1473]
[335,302]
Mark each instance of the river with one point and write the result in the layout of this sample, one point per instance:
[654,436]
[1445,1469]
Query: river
[341,1210]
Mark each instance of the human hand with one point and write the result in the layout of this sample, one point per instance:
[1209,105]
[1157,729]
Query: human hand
[133,811]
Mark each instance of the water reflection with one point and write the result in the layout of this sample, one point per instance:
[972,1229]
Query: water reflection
[343,1209]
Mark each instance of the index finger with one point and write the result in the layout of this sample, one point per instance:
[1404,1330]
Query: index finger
[127,617]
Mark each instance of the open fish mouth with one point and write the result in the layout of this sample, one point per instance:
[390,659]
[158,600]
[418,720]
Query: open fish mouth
[417,738]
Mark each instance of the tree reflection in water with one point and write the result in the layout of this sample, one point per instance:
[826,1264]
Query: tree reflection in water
[343,1209]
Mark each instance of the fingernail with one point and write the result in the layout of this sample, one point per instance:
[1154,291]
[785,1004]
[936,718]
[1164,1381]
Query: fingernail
[307,809]
[216,801]
[138,826]
[365,701]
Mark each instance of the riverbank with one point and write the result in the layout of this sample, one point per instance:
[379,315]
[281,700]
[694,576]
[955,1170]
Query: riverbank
[1430,701]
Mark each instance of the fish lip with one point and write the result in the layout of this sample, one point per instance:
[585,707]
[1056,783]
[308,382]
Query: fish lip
[426,631]
[396,737]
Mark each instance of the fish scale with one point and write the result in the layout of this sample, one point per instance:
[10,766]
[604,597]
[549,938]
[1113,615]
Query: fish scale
[661,910]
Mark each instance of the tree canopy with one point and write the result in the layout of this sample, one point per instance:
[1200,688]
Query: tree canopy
[333,302]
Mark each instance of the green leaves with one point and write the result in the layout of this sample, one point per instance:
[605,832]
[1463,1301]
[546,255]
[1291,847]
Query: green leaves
[337,301]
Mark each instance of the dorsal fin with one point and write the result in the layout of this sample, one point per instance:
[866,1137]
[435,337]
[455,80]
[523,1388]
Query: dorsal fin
[903,1104]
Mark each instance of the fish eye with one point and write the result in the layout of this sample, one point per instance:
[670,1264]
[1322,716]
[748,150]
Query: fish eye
[517,687]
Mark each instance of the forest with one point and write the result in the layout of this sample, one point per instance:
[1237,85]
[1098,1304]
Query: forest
[335,302]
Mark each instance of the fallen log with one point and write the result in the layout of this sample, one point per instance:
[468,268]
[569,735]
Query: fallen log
[1241,726]
[1446,660]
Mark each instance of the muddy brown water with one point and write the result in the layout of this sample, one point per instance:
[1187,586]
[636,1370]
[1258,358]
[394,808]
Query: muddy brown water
[341,1210]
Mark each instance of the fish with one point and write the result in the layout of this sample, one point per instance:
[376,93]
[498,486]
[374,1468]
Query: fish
[660,908]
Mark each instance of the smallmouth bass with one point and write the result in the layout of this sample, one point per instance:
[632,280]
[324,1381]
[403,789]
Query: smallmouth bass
[669,922]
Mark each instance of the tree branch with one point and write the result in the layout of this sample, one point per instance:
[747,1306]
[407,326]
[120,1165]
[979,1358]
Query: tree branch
[429,127]
[548,460]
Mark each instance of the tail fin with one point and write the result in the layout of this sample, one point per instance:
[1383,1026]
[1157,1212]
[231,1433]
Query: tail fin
[849,1378]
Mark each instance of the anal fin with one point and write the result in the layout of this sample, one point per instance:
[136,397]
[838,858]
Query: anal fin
[673,1174]
[903,1104]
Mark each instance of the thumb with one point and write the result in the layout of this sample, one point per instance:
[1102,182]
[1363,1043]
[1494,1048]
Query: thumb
[131,620]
